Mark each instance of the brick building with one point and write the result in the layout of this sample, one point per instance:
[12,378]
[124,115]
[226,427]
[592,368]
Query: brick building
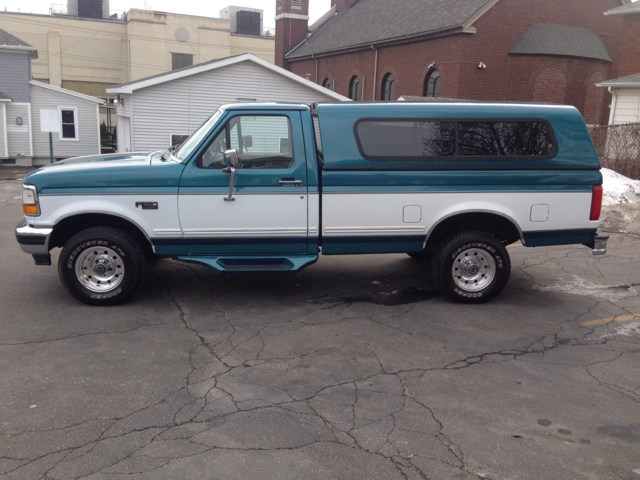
[503,50]
[625,104]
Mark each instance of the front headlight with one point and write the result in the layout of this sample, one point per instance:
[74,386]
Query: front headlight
[30,204]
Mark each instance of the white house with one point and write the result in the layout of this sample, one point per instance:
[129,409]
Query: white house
[21,140]
[159,111]
[625,105]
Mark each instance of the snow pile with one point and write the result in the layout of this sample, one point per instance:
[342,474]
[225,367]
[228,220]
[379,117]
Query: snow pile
[619,189]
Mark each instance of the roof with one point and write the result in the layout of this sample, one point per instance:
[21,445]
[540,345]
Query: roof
[412,98]
[372,22]
[164,74]
[130,87]
[628,81]
[629,9]
[64,91]
[547,39]
[12,42]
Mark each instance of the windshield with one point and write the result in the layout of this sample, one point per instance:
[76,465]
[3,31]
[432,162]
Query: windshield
[192,142]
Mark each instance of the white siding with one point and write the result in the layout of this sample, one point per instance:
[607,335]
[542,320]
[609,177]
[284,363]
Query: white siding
[123,113]
[180,106]
[87,125]
[18,135]
[3,132]
[627,106]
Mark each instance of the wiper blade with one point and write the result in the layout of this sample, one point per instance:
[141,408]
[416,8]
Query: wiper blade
[169,151]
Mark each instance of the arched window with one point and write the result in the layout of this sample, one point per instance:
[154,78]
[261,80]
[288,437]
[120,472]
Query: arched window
[326,83]
[388,87]
[551,86]
[593,102]
[354,88]
[432,84]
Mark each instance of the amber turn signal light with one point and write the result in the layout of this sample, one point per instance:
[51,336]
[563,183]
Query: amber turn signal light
[30,209]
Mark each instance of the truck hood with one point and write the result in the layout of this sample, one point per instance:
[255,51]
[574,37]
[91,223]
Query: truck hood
[106,173]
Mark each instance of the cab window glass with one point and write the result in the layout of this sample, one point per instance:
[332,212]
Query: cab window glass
[213,157]
[261,141]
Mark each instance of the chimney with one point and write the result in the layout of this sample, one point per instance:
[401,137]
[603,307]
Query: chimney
[292,25]
[343,4]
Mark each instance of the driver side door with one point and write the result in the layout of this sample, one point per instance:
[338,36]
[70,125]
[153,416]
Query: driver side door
[267,211]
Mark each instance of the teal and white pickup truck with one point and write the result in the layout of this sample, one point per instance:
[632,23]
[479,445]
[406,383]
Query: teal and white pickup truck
[266,188]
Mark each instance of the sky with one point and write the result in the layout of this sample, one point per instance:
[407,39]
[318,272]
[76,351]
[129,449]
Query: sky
[203,8]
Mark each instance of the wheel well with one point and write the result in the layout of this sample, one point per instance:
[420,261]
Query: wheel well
[69,226]
[500,227]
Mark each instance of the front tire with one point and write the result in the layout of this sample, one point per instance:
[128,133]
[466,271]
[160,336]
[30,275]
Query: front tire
[420,256]
[471,267]
[101,266]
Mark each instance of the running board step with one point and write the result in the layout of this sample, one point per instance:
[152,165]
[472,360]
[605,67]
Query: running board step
[247,264]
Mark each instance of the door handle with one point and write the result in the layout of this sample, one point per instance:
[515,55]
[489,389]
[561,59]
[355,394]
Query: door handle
[290,181]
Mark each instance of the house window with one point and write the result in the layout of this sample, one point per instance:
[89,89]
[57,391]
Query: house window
[181,60]
[388,87]
[326,83]
[296,3]
[177,140]
[432,84]
[354,88]
[68,123]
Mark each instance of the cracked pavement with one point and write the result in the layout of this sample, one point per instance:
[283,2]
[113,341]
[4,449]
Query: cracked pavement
[352,369]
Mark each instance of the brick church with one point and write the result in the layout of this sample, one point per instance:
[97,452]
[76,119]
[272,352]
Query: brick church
[502,50]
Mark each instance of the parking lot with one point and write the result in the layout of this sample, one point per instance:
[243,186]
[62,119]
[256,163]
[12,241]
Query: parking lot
[354,368]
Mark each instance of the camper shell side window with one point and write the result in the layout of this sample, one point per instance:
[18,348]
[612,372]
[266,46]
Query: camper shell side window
[455,139]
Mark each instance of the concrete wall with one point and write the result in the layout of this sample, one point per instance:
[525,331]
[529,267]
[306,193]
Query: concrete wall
[85,50]
[14,75]
[107,53]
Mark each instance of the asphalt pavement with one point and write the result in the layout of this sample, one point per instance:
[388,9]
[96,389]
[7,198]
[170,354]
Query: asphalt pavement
[354,368]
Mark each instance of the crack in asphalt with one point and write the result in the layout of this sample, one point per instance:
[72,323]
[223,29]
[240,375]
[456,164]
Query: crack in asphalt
[209,401]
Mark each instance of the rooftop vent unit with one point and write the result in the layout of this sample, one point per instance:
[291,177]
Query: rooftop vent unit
[244,21]
[88,8]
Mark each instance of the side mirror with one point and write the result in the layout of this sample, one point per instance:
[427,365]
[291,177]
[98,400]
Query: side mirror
[247,141]
[231,157]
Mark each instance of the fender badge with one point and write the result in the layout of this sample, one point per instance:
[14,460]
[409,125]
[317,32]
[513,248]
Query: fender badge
[147,205]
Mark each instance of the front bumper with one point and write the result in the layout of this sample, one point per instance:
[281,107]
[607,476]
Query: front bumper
[34,241]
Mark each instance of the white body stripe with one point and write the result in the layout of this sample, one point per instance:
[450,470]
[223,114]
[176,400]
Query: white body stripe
[291,215]
[245,217]
[355,213]
[56,207]
[313,216]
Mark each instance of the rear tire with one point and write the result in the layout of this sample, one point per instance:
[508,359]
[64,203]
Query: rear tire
[471,267]
[101,266]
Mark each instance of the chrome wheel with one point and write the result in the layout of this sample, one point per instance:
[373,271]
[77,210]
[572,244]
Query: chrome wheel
[473,269]
[99,269]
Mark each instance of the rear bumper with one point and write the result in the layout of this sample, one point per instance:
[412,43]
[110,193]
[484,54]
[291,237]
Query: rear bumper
[599,244]
[34,241]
